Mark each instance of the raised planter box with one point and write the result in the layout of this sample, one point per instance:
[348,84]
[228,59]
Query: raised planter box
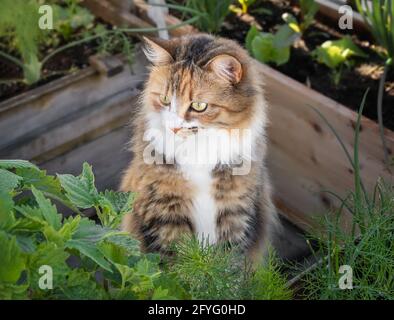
[114,12]
[46,124]
[304,157]
[76,115]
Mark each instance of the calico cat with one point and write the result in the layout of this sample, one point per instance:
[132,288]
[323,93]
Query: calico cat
[200,86]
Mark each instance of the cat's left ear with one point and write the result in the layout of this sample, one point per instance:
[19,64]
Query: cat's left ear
[226,67]
[156,53]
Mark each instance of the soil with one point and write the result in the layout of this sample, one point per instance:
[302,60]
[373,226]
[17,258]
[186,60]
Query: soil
[63,63]
[303,68]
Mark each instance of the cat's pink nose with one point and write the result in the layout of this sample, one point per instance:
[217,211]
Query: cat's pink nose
[175,130]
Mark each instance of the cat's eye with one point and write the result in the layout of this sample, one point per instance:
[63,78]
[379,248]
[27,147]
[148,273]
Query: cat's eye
[165,100]
[199,106]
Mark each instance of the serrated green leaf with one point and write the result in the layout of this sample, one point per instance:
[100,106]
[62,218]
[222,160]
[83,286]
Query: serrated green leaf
[86,240]
[80,190]
[7,218]
[160,294]
[13,164]
[31,213]
[52,255]
[48,210]
[131,245]
[41,181]
[13,292]
[81,285]
[89,231]
[91,251]
[8,181]
[122,202]
[113,252]
[70,227]
[12,260]
[28,225]
[113,206]
[26,243]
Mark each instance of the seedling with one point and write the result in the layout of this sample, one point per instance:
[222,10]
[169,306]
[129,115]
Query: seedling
[337,55]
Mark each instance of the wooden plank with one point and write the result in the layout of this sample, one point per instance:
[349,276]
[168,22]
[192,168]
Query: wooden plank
[108,155]
[115,15]
[47,105]
[305,158]
[329,9]
[75,129]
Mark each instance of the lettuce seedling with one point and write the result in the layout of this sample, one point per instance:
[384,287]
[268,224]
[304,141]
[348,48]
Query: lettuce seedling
[271,47]
[336,55]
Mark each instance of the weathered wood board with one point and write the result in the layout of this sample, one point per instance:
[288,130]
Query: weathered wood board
[46,125]
[108,154]
[304,156]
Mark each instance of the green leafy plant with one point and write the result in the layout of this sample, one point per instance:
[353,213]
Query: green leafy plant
[368,248]
[107,262]
[336,55]
[245,4]
[97,261]
[268,47]
[210,14]
[379,15]
[217,272]
[309,8]
[19,24]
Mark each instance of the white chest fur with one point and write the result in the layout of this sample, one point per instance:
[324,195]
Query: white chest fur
[197,172]
[204,207]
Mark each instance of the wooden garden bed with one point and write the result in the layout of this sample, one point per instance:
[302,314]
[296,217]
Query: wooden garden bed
[304,157]
[64,123]
[79,117]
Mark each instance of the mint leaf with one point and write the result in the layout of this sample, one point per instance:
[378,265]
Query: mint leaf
[80,190]
[86,240]
[81,285]
[91,251]
[41,181]
[8,180]
[13,292]
[48,210]
[12,260]
[7,218]
[113,206]
[121,202]
[52,255]
[13,164]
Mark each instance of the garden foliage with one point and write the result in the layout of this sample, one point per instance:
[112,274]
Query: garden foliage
[93,260]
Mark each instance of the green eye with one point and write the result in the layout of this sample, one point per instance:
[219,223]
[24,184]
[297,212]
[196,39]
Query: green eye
[199,106]
[165,100]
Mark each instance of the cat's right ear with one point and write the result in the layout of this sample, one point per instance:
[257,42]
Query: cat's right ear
[155,52]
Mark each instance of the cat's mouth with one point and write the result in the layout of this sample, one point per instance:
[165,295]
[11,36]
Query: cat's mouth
[182,131]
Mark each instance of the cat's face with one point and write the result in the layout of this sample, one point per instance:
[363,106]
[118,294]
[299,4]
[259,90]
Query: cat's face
[199,82]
